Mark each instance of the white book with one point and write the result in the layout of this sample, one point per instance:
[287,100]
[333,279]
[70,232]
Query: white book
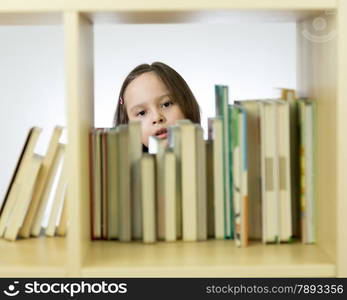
[63,220]
[97,191]
[174,143]
[269,166]
[25,192]
[215,131]
[239,174]
[283,144]
[124,208]
[18,177]
[170,196]
[189,181]
[37,225]
[158,146]
[135,148]
[309,161]
[148,198]
[113,181]
[201,178]
[58,202]
[42,180]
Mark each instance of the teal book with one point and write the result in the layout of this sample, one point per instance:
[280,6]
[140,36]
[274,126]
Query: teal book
[221,102]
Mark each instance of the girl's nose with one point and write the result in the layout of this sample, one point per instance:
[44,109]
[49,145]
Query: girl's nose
[158,119]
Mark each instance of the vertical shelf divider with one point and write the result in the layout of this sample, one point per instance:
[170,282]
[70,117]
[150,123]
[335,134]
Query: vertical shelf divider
[341,140]
[78,51]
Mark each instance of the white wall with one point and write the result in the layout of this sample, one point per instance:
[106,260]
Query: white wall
[251,58]
[31,90]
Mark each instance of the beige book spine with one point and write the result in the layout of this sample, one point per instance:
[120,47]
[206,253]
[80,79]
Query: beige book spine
[10,202]
[170,196]
[148,198]
[35,231]
[135,156]
[24,198]
[57,203]
[218,178]
[201,179]
[42,180]
[189,182]
[63,222]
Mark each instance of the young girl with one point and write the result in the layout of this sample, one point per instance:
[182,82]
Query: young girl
[157,96]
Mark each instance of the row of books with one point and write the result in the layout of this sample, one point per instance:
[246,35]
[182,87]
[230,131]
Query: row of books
[253,178]
[147,196]
[271,147]
[30,195]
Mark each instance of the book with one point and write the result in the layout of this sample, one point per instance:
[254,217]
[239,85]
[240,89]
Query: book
[135,147]
[240,174]
[124,209]
[63,219]
[148,197]
[244,178]
[174,143]
[96,199]
[157,146]
[24,196]
[284,164]
[252,108]
[19,174]
[307,159]
[269,171]
[170,196]
[189,181]
[104,183]
[210,189]
[215,133]
[290,96]
[222,99]
[37,225]
[42,181]
[58,202]
[113,183]
[201,182]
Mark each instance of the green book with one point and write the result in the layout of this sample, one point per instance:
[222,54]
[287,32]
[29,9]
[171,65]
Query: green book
[221,98]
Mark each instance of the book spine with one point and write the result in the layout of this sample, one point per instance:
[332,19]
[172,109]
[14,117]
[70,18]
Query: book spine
[92,181]
[221,94]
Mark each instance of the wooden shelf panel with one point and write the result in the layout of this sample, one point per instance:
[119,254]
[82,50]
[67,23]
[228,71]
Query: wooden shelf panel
[206,259]
[157,5]
[36,257]
[31,18]
[206,17]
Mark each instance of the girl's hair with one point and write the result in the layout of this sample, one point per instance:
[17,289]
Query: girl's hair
[178,89]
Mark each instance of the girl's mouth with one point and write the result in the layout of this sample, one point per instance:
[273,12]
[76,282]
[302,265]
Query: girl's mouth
[161,133]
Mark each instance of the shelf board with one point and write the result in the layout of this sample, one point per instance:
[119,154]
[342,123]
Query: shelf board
[200,16]
[205,259]
[30,12]
[10,19]
[34,257]
[157,5]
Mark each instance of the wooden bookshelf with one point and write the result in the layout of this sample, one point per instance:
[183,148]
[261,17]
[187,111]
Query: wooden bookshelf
[321,69]
[205,259]
[36,257]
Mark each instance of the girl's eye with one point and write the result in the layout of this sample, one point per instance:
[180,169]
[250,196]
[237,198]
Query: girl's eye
[167,104]
[141,113]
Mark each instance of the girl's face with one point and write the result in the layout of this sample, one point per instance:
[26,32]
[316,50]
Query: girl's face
[147,99]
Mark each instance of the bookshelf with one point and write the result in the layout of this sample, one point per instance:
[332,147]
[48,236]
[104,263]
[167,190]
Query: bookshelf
[321,69]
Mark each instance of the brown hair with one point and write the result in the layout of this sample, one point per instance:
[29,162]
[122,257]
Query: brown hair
[176,85]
